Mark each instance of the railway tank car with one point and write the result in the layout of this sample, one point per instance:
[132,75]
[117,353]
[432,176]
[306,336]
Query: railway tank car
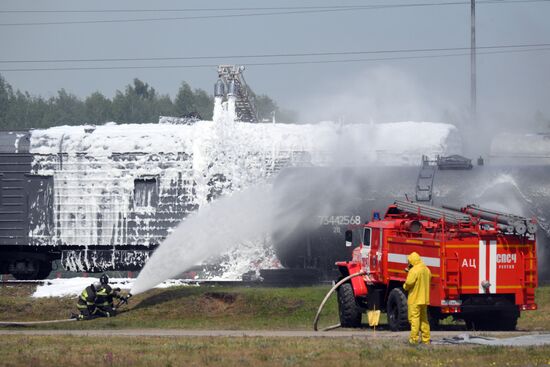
[93,211]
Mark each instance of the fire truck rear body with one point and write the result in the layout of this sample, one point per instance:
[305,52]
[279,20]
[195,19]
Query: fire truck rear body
[482,271]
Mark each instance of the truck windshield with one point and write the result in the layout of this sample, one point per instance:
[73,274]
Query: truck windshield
[366,237]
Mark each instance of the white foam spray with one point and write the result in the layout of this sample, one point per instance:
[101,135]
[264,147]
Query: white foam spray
[231,105]
[243,219]
[218,110]
[222,224]
[225,112]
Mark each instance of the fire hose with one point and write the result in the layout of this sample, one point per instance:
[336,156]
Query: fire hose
[30,323]
[121,302]
[336,286]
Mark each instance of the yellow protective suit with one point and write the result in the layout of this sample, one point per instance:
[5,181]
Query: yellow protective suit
[418,286]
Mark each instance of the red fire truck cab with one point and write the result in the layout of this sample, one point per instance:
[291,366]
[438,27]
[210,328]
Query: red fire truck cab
[483,265]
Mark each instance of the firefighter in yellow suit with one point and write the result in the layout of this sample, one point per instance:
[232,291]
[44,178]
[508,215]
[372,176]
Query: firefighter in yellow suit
[418,287]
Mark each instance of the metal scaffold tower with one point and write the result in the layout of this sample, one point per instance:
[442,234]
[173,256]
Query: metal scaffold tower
[231,84]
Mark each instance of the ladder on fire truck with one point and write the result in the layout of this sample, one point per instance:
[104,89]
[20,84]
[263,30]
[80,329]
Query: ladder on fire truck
[433,212]
[231,83]
[425,180]
[472,214]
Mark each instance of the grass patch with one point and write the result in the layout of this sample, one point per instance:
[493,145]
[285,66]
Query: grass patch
[147,351]
[210,307]
[185,307]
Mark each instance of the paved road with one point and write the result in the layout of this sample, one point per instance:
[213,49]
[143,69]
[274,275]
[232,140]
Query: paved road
[247,333]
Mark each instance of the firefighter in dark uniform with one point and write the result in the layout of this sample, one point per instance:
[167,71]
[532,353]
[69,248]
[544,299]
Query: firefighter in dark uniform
[105,297]
[86,302]
[97,300]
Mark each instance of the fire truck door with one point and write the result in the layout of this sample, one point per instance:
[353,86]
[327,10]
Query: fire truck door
[375,252]
[366,249]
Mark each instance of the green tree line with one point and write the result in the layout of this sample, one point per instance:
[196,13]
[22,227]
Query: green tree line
[138,103]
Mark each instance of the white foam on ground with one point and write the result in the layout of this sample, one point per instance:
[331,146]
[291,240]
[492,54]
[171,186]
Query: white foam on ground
[72,287]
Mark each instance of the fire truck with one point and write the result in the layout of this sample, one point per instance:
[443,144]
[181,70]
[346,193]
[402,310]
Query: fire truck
[483,264]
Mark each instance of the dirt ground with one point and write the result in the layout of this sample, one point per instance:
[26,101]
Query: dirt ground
[342,333]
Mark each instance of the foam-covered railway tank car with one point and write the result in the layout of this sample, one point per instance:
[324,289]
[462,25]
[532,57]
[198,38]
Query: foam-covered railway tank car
[92,211]
[103,197]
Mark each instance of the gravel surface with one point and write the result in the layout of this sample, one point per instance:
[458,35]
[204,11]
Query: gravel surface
[344,333]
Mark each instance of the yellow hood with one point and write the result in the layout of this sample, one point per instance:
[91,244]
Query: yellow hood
[414,259]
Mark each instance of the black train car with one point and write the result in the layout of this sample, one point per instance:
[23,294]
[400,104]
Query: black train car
[92,211]
[26,210]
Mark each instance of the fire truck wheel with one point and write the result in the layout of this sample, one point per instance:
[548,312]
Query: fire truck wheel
[397,310]
[470,324]
[500,323]
[508,323]
[350,313]
[433,318]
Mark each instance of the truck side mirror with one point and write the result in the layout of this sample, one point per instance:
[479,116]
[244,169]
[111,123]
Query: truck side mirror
[349,238]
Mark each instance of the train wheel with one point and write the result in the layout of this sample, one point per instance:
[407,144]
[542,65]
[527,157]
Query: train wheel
[397,310]
[29,269]
[350,313]
[44,269]
[24,269]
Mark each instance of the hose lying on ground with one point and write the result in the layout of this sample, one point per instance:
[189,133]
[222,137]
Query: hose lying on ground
[342,281]
[30,323]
